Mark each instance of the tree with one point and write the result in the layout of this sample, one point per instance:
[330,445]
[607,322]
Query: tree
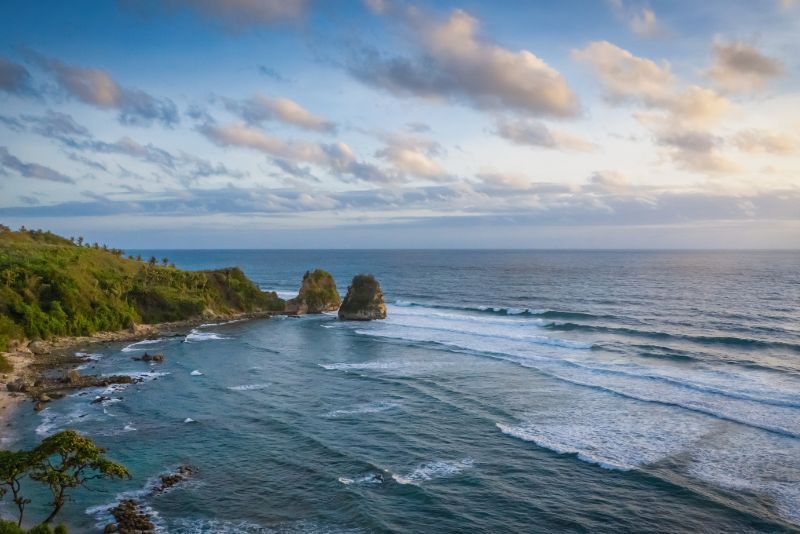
[68,460]
[152,260]
[14,465]
[80,241]
[165,261]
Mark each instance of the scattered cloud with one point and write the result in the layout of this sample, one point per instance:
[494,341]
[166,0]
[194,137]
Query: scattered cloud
[679,117]
[412,155]
[238,15]
[740,67]
[97,88]
[14,78]
[640,19]
[696,150]
[457,63]
[30,170]
[260,108]
[56,125]
[530,132]
[271,73]
[338,158]
[608,182]
[767,142]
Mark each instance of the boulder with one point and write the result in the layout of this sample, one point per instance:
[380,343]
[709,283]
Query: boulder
[364,300]
[20,385]
[317,294]
[158,357]
[73,377]
[131,518]
[39,347]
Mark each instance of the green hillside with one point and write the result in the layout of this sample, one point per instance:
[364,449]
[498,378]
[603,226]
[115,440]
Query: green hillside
[52,286]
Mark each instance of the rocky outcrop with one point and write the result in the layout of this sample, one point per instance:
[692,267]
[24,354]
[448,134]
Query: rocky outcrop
[39,347]
[131,518]
[168,480]
[317,294]
[155,358]
[364,300]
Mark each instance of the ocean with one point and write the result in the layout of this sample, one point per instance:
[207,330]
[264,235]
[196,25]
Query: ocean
[508,391]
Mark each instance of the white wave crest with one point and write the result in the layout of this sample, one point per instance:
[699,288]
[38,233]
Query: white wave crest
[372,407]
[139,344]
[433,470]
[248,387]
[196,336]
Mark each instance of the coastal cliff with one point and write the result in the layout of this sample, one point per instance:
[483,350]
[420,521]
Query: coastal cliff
[52,287]
[317,294]
[364,300]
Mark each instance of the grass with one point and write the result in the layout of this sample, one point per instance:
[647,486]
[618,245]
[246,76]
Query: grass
[5,365]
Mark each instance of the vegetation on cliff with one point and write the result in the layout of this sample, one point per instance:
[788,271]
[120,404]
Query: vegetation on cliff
[317,294]
[52,286]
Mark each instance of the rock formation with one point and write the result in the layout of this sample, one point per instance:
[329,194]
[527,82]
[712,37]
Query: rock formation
[364,300]
[317,294]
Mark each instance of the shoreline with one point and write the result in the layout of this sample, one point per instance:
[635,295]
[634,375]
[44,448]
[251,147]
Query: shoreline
[59,352]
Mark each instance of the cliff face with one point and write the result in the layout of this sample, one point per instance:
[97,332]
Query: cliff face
[364,300]
[51,286]
[317,294]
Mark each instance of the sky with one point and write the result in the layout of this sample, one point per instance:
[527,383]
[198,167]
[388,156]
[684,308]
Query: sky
[393,124]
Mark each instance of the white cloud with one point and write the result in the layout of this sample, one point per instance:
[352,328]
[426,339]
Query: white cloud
[766,141]
[457,63]
[262,108]
[740,67]
[97,88]
[337,158]
[412,155]
[537,134]
[678,116]
[641,19]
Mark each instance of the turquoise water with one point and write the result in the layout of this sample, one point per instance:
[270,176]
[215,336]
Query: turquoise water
[507,391]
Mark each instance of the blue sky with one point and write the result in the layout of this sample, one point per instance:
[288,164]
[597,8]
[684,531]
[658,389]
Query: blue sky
[301,123]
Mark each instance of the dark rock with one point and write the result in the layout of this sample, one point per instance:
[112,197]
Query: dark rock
[101,398]
[39,406]
[158,357]
[73,379]
[130,518]
[170,479]
[317,294]
[111,527]
[20,385]
[364,300]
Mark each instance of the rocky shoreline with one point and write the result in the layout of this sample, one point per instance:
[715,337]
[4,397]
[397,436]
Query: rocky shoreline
[34,362]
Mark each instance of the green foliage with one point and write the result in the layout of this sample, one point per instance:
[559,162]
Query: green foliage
[62,462]
[319,290]
[50,286]
[68,460]
[360,293]
[9,527]
[5,365]
[14,465]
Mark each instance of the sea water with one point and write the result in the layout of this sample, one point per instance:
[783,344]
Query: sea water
[507,391]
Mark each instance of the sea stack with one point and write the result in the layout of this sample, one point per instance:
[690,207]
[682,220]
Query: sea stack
[364,300]
[317,294]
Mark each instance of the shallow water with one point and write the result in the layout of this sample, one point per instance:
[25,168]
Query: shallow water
[507,391]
